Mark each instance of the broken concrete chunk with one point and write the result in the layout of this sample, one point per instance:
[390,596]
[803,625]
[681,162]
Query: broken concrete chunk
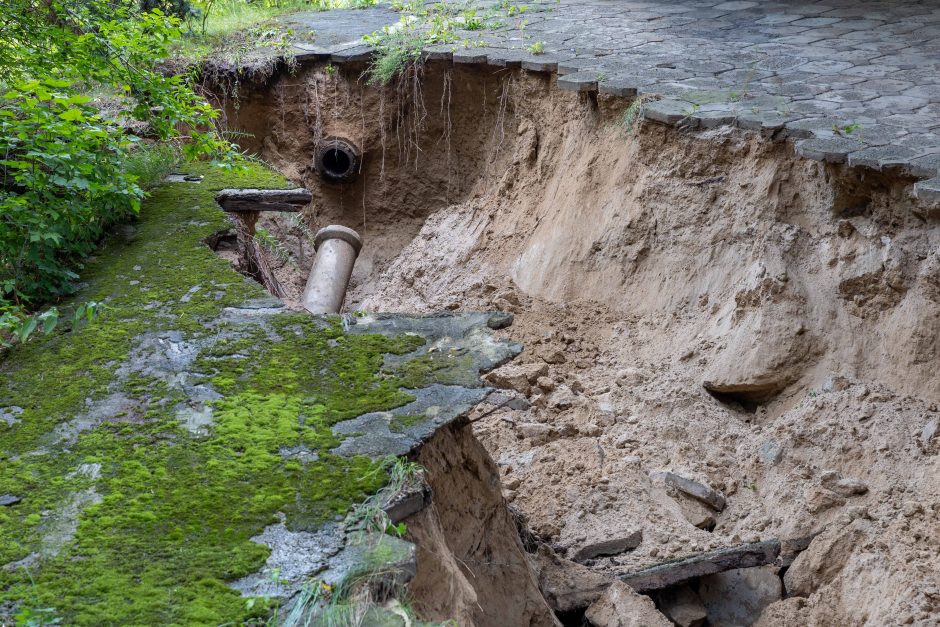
[611,546]
[700,491]
[519,377]
[819,499]
[9,499]
[682,606]
[499,320]
[563,398]
[789,549]
[696,513]
[408,502]
[622,607]
[717,561]
[567,585]
[824,558]
[507,398]
[535,431]
[737,597]
[555,357]
[546,384]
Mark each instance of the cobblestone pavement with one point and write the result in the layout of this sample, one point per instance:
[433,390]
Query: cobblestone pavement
[849,80]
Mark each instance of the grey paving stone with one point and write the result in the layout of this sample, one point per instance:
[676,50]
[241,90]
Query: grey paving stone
[835,62]
[669,111]
[764,120]
[828,149]
[469,56]
[579,81]
[541,63]
[928,191]
[715,118]
[927,166]
[879,157]
[620,85]
[355,53]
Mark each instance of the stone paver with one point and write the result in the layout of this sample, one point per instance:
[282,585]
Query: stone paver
[846,75]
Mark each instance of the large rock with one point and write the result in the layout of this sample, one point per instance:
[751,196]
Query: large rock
[824,558]
[765,344]
[567,585]
[682,606]
[737,597]
[622,607]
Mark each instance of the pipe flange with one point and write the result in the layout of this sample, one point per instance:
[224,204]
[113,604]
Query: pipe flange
[336,231]
[337,159]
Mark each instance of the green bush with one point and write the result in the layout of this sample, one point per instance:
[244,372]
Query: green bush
[63,184]
[67,172]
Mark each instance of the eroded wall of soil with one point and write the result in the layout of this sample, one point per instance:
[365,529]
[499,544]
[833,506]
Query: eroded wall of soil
[697,302]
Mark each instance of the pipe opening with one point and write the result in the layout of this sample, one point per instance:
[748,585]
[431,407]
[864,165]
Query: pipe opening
[337,160]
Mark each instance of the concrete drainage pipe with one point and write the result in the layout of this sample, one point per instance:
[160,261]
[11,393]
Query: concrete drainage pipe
[337,160]
[337,248]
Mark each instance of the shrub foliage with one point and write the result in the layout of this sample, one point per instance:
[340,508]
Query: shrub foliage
[64,174]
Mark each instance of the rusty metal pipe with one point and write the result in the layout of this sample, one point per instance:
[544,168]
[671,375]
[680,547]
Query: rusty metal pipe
[337,248]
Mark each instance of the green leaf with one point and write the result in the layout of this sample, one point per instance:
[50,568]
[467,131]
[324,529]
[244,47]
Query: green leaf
[50,319]
[72,115]
[26,329]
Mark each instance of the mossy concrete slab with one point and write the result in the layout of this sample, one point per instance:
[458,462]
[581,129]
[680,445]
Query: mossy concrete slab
[163,460]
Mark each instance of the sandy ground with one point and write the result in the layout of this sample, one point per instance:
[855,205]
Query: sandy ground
[699,303]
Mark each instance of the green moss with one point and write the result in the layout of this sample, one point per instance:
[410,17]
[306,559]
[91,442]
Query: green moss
[400,424]
[167,515]
[454,367]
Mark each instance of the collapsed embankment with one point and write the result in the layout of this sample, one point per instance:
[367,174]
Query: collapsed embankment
[702,303]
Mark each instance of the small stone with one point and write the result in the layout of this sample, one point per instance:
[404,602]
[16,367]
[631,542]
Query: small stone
[512,484]
[630,377]
[562,398]
[591,430]
[9,499]
[545,384]
[770,452]
[930,430]
[834,481]
[695,489]
[556,357]
[849,487]
[535,431]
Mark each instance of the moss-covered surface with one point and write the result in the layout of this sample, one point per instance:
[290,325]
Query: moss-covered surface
[150,445]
